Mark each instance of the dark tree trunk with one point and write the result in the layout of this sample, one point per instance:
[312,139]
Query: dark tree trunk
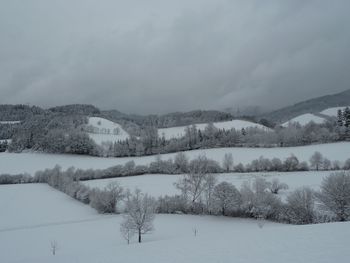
[139,235]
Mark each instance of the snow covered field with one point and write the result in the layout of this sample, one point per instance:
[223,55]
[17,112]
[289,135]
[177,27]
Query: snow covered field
[103,130]
[32,162]
[305,119]
[10,122]
[84,237]
[177,132]
[332,111]
[163,184]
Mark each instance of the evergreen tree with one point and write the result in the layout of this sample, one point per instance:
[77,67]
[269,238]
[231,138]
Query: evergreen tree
[340,120]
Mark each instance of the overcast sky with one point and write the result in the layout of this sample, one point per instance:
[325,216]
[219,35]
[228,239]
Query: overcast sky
[152,56]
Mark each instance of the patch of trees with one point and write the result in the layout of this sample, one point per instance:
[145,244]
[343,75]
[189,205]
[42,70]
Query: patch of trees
[294,135]
[18,112]
[343,123]
[3,146]
[7,130]
[76,109]
[258,200]
[53,133]
[171,119]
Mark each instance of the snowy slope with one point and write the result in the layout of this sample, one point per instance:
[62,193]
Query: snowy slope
[10,122]
[333,112]
[91,238]
[102,130]
[305,119]
[31,162]
[176,132]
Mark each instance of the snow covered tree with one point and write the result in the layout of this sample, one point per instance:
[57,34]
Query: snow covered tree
[193,184]
[300,206]
[335,194]
[127,230]
[275,186]
[258,202]
[291,163]
[140,209]
[227,197]
[326,164]
[347,122]
[181,163]
[316,160]
[105,201]
[227,163]
[210,182]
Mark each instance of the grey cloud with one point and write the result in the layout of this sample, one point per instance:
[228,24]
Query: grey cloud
[162,56]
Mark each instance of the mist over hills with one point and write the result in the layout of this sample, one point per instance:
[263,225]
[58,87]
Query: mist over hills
[314,105]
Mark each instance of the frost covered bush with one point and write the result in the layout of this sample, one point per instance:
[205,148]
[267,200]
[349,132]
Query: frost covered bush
[300,207]
[258,201]
[335,194]
[106,200]
[172,204]
[226,198]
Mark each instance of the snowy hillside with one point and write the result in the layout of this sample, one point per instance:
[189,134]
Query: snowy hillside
[32,162]
[332,112]
[102,130]
[31,223]
[305,119]
[176,132]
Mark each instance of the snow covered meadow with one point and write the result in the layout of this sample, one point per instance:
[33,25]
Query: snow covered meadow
[102,130]
[31,223]
[32,162]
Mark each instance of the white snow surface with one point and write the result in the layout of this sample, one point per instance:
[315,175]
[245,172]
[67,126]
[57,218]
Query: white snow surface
[178,132]
[305,119]
[31,162]
[106,130]
[333,112]
[10,122]
[31,223]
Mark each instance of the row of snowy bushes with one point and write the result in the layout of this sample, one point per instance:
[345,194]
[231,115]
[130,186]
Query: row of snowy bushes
[181,165]
[201,193]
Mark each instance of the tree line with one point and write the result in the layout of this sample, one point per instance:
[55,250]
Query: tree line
[181,164]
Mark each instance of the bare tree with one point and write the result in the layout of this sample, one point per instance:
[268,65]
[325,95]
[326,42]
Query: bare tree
[53,246]
[181,162]
[127,230]
[193,184]
[105,201]
[275,186]
[227,162]
[335,194]
[300,206]
[210,182]
[140,213]
[316,160]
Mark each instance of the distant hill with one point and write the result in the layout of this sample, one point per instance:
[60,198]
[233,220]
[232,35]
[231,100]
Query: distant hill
[315,105]
[170,119]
